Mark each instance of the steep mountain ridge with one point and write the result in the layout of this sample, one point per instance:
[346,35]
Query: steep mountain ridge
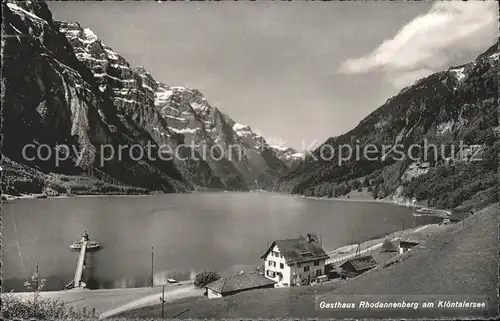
[444,109]
[49,98]
[62,85]
[178,116]
[288,155]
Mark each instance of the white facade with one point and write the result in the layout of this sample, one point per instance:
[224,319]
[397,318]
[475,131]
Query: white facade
[277,269]
[405,248]
[211,294]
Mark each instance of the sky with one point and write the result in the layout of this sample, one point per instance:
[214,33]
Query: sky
[296,72]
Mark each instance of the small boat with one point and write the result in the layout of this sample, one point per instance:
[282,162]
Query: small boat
[172,281]
[91,244]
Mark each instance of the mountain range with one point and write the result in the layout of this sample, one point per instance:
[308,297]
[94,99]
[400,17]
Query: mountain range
[64,86]
[458,106]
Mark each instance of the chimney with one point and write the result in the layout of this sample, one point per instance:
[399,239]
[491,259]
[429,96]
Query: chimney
[311,237]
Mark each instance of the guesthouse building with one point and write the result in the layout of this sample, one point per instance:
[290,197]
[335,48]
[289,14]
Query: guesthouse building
[297,261]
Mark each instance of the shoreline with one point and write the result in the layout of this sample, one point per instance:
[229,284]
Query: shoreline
[361,197]
[346,252]
[364,200]
[364,197]
[38,196]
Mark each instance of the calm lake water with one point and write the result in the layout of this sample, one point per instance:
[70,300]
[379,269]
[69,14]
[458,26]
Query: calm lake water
[226,232]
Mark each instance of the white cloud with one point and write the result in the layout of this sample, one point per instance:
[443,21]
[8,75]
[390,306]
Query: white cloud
[429,42]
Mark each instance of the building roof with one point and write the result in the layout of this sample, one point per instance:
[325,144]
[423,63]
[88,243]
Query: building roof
[362,262]
[415,237]
[459,216]
[298,250]
[239,282]
[409,242]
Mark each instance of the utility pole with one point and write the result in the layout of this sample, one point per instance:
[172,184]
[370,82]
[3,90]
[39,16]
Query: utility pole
[35,292]
[162,300]
[152,265]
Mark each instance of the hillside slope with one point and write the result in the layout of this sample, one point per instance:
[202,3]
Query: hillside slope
[460,263]
[443,109]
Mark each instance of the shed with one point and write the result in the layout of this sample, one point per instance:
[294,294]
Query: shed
[358,265]
[411,240]
[237,283]
[405,246]
[459,216]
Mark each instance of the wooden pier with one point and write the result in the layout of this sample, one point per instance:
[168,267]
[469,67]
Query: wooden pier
[77,281]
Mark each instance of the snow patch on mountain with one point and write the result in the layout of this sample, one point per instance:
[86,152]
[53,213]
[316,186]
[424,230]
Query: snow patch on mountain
[459,73]
[20,11]
[445,127]
[285,153]
[415,170]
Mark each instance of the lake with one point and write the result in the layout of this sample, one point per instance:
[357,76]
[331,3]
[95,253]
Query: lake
[226,232]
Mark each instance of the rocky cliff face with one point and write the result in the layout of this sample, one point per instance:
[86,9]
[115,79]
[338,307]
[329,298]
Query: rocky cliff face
[62,85]
[444,109]
[288,155]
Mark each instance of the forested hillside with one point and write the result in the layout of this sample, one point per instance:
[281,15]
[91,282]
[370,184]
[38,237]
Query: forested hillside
[447,108]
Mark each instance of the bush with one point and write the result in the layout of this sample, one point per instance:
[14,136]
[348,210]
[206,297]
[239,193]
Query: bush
[388,246]
[34,307]
[356,184]
[16,307]
[205,277]
[375,191]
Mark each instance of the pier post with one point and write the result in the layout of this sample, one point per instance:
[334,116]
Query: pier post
[152,264]
[37,285]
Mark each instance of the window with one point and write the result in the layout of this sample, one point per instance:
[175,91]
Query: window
[270,273]
[306,268]
[282,266]
[318,272]
[305,254]
[316,263]
[272,263]
[281,255]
